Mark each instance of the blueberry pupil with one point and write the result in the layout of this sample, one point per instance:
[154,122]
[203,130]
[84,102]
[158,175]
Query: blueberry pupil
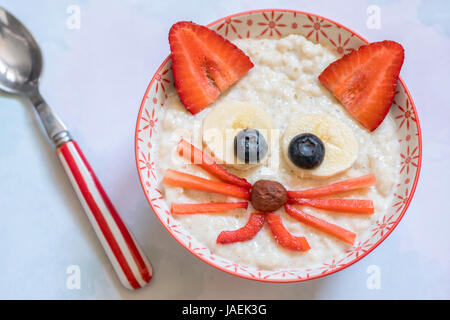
[306,151]
[250,146]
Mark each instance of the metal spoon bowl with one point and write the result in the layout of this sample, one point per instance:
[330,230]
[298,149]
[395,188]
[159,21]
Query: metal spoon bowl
[20,57]
[20,68]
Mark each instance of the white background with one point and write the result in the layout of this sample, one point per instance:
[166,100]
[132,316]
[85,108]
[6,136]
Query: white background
[95,78]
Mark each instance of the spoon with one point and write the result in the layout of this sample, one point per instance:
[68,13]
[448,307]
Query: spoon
[20,68]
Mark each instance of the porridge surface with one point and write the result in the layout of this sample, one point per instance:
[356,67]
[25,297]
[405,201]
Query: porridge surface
[284,83]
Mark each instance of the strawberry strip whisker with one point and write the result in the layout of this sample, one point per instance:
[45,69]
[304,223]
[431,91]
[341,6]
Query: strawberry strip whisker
[322,225]
[338,187]
[198,157]
[282,235]
[193,208]
[339,205]
[185,180]
[247,232]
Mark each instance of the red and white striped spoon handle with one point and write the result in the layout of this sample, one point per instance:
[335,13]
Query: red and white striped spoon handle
[129,261]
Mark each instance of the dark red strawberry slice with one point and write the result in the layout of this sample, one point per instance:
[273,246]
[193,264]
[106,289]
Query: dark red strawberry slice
[365,80]
[247,232]
[282,235]
[204,64]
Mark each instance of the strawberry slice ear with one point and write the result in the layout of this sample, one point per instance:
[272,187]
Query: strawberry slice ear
[204,64]
[365,80]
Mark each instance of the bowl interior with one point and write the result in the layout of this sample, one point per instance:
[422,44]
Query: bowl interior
[276,24]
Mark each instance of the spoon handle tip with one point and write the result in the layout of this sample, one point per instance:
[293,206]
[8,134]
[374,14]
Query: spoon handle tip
[129,261]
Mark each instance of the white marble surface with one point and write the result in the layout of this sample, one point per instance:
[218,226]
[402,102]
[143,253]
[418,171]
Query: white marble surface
[95,78]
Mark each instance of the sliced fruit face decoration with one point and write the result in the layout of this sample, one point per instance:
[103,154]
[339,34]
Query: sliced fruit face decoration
[204,64]
[266,196]
[319,146]
[235,132]
[365,80]
[239,135]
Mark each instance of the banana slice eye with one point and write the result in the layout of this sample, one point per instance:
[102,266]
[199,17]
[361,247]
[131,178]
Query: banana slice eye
[231,130]
[340,147]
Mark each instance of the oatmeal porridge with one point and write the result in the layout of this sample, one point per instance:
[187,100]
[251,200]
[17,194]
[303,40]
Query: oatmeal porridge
[284,85]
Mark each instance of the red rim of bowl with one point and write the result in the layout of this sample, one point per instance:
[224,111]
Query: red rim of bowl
[411,195]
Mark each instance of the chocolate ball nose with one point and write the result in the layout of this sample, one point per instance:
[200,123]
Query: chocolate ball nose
[268,195]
